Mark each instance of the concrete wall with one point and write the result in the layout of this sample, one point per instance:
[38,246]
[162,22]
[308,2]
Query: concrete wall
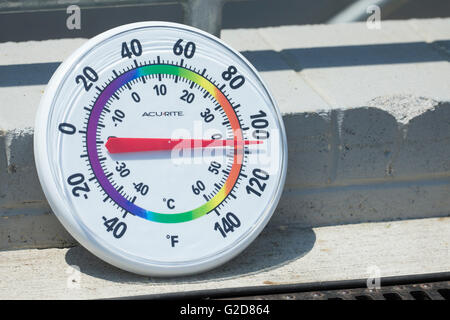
[367,115]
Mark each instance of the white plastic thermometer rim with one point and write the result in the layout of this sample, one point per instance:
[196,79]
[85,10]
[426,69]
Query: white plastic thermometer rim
[60,206]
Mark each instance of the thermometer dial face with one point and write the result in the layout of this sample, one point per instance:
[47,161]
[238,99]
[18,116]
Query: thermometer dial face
[160,149]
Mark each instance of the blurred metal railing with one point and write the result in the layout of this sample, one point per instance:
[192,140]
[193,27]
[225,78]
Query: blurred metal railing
[202,14]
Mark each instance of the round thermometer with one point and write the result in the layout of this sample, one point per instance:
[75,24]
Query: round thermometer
[160,149]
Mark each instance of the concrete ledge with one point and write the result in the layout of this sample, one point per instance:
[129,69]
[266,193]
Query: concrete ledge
[368,136]
[345,166]
[301,255]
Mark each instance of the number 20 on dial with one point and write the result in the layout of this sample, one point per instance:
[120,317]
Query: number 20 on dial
[160,149]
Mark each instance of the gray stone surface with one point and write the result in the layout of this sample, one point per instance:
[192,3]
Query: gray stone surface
[367,140]
[309,140]
[286,254]
[348,64]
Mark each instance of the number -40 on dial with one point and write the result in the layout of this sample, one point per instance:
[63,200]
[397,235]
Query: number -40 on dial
[160,149]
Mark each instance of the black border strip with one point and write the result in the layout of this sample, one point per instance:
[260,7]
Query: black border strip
[291,288]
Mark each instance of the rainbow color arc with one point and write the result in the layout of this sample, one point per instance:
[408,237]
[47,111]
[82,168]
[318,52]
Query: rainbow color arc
[129,206]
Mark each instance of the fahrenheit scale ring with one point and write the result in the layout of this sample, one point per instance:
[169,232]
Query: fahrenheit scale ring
[93,155]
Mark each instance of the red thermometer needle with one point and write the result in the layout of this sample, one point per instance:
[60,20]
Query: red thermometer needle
[124,145]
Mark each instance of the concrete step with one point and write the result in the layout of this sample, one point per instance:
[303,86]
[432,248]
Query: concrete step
[288,254]
[367,115]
